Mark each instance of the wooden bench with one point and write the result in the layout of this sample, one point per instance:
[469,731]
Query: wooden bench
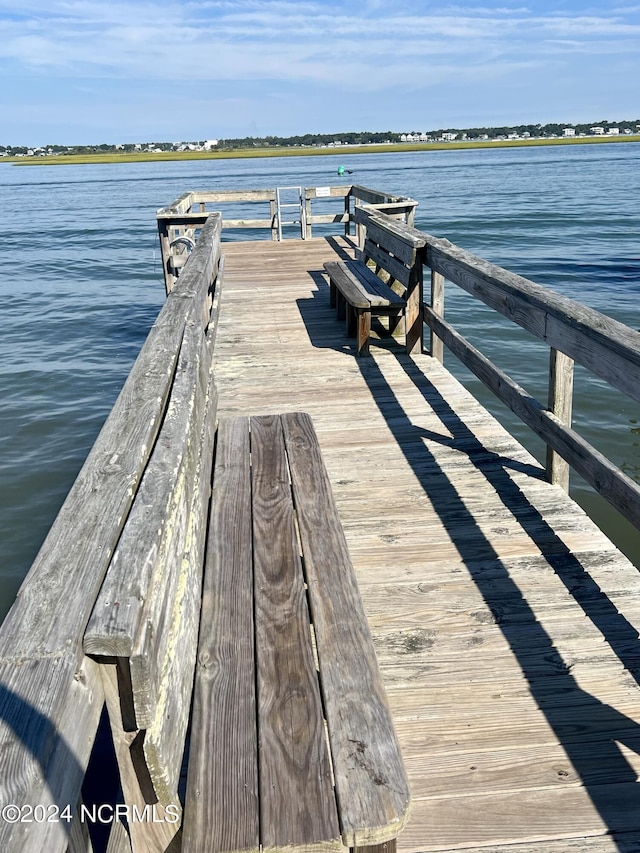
[292,744]
[265,772]
[358,293]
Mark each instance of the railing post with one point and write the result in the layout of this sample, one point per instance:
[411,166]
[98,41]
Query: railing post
[272,214]
[361,231]
[165,254]
[436,346]
[414,297]
[561,405]
[307,215]
[347,210]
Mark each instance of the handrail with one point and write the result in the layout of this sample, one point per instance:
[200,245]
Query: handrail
[182,217]
[573,332]
[51,695]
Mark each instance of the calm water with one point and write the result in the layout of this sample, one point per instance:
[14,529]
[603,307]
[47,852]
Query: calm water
[83,282]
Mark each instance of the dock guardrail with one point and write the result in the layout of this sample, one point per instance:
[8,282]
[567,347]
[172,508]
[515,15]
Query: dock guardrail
[574,333]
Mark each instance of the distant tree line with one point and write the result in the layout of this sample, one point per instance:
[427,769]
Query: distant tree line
[323,139]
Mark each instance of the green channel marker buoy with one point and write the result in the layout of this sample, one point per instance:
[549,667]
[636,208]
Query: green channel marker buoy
[341,170]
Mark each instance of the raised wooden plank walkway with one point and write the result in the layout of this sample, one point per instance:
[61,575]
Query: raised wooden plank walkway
[504,620]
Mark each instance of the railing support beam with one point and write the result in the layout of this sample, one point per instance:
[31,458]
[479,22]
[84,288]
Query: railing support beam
[561,405]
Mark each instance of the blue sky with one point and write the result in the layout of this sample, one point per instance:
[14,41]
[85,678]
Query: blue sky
[92,71]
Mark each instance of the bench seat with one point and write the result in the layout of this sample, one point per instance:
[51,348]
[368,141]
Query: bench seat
[292,743]
[358,294]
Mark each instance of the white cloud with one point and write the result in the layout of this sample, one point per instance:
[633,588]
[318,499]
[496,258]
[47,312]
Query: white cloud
[236,48]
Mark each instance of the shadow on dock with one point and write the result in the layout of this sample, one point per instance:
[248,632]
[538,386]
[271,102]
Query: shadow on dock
[579,720]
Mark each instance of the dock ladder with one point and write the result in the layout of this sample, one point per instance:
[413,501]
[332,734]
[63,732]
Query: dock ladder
[299,204]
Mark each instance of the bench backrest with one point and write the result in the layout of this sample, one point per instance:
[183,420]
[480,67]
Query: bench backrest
[147,613]
[398,251]
[393,246]
[51,693]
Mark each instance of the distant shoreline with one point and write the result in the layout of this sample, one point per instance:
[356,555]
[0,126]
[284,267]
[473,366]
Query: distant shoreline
[343,150]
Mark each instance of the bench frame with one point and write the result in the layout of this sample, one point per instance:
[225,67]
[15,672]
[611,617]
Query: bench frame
[358,292]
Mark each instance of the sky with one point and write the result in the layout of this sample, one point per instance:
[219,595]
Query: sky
[105,71]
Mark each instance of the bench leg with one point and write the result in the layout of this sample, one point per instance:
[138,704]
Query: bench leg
[351,321]
[332,294]
[364,331]
[395,322]
[340,306]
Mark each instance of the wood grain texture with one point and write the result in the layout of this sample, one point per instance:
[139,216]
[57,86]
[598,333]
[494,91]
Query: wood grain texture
[147,835]
[560,403]
[378,292]
[164,742]
[604,346]
[50,716]
[221,809]
[351,287]
[372,789]
[383,259]
[178,454]
[436,347]
[297,802]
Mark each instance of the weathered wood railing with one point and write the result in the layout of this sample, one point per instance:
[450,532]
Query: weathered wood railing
[179,221]
[51,692]
[574,333]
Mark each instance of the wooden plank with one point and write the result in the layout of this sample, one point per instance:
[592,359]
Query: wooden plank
[519,816]
[164,742]
[147,835]
[561,405]
[51,711]
[335,192]
[221,808]
[394,230]
[212,196]
[298,807]
[116,622]
[413,315]
[173,557]
[395,268]
[371,785]
[247,223]
[351,288]
[375,286]
[393,240]
[79,838]
[436,346]
[371,196]
[48,618]
[327,218]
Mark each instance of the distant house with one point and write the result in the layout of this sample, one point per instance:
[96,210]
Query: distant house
[569,131]
[209,144]
[449,137]
[597,131]
[613,131]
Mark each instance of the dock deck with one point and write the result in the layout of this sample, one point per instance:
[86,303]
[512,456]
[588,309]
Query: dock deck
[504,620]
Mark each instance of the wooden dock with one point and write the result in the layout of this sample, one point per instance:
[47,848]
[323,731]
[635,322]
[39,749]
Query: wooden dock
[505,622]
